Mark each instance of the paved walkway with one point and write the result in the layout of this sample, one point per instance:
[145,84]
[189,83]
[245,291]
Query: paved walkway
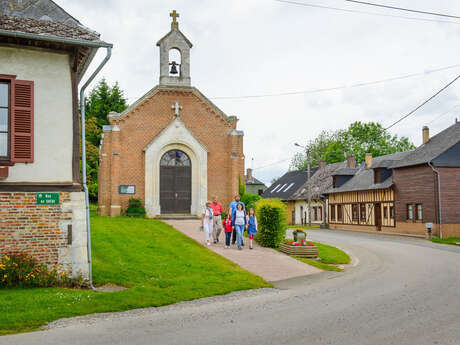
[265,262]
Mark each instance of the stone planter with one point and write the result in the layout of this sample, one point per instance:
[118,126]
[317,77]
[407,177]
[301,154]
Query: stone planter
[324,226]
[301,251]
[299,236]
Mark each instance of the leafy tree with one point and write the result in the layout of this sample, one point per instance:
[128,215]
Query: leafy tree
[241,187]
[101,101]
[357,140]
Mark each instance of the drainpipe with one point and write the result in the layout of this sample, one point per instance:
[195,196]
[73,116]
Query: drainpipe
[439,197]
[83,159]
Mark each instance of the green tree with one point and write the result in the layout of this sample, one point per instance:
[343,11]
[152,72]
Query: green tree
[357,140]
[101,101]
[241,186]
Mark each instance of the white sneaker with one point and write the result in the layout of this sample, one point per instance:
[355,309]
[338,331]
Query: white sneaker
[208,243]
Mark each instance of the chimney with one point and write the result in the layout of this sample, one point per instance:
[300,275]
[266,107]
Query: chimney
[322,164]
[425,134]
[249,174]
[368,161]
[351,162]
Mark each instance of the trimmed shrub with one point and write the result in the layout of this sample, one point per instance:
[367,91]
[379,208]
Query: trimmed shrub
[135,208]
[250,200]
[271,217]
[22,270]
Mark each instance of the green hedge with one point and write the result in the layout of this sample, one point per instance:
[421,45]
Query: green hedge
[271,218]
[250,200]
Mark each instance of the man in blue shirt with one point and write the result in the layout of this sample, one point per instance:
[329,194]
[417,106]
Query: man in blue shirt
[232,208]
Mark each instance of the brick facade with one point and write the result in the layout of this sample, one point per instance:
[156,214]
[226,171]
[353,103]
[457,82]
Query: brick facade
[123,157]
[38,230]
[415,185]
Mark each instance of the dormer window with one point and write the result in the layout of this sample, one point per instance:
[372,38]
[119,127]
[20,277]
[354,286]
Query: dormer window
[377,176]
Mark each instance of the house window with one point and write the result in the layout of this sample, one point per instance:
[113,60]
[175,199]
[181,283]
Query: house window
[355,212]
[16,120]
[385,212]
[410,212]
[392,212]
[332,212]
[260,191]
[419,212]
[4,120]
[320,212]
[339,212]
[362,211]
[315,210]
[377,176]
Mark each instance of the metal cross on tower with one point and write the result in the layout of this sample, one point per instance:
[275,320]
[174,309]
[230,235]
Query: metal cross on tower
[176,106]
[175,23]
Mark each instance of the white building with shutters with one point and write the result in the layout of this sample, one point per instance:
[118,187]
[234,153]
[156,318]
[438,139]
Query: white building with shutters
[44,53]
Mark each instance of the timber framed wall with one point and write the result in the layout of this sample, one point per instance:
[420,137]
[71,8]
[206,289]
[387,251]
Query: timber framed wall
[361,208]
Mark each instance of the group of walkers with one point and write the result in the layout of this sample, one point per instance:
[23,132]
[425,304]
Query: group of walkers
[234,225]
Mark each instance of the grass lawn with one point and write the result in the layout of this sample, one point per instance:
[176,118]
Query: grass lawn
[303,227]
[159,264]
[328,256]
[450,240]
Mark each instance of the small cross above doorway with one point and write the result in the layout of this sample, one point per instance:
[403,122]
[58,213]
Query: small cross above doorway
[177,107]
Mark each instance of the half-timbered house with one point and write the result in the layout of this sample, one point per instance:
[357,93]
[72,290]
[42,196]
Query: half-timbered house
[404,192]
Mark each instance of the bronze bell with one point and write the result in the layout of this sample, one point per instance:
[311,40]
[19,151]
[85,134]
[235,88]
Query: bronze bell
[173,67]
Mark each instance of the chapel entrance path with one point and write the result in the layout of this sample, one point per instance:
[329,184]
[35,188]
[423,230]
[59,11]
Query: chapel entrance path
[265,262]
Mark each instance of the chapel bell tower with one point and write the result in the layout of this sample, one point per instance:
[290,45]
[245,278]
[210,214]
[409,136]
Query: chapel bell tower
[175,56]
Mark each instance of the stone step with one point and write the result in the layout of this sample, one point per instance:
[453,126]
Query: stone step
[178,217]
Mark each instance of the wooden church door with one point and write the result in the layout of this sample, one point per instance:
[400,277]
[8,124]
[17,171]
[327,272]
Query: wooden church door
[175,183]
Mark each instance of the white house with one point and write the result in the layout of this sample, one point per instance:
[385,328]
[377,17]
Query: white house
[44,53]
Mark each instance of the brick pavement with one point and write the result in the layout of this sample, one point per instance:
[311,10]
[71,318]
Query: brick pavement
[265,262]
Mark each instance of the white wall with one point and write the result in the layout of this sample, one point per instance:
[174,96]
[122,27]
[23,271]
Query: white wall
[53,113]
[302,203]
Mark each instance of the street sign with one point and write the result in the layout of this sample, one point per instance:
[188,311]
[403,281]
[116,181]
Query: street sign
[126,189]
[47,198]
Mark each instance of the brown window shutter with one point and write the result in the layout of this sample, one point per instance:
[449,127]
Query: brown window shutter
[22,121]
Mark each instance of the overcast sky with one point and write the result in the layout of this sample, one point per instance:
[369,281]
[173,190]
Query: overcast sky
[254,47]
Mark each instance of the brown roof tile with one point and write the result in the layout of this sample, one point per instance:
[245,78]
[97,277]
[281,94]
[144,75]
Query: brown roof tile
[47,28]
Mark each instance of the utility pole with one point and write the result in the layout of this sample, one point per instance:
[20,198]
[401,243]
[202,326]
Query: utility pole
[308,186]
[307,149]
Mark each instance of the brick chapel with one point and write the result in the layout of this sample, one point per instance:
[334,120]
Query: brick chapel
[172,148]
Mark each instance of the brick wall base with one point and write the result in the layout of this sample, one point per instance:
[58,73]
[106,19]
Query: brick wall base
[43,230]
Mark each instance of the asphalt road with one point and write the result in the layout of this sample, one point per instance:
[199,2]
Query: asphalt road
[403,291]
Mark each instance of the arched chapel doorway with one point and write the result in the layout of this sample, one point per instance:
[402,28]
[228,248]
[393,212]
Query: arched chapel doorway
[175,182]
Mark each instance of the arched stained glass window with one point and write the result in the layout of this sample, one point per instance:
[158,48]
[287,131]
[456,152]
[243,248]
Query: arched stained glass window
[175,158]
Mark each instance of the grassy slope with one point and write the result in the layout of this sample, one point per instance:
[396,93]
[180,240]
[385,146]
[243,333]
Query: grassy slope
[328,257]
[161,265]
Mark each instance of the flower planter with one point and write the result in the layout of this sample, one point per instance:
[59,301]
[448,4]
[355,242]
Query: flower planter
[301,251]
